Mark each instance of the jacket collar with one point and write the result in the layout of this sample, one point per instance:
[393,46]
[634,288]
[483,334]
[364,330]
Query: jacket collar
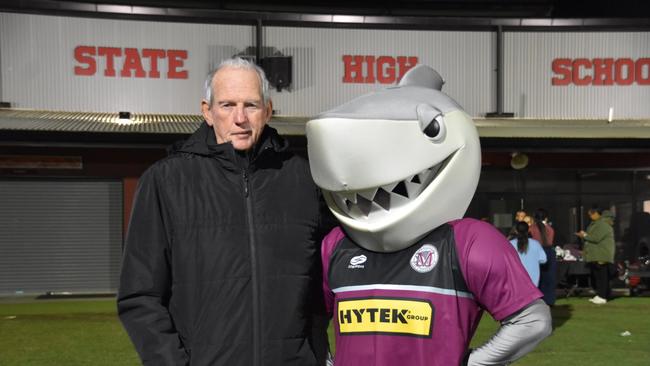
[203,142]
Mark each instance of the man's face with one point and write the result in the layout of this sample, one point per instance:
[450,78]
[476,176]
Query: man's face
[593,215]
[519,216]
[238,114]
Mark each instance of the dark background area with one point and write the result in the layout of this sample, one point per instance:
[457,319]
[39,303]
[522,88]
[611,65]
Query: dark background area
[453,8]
[626,9]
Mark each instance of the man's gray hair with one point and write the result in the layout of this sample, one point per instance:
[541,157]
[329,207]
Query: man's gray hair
[239,63]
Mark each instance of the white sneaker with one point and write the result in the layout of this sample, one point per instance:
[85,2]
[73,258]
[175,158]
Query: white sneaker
[598,300]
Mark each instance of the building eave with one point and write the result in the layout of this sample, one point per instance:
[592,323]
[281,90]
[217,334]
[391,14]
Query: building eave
[24,120]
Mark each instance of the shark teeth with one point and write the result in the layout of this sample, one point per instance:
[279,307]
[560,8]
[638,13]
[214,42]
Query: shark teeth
[368,194]
[372,201]
[349,196]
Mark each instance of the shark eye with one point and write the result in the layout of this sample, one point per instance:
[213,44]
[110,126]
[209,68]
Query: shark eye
[431,122]
[433,129]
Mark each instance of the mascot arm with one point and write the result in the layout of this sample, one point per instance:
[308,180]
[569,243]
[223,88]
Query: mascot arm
[518,335]
[328,245]
[501,285]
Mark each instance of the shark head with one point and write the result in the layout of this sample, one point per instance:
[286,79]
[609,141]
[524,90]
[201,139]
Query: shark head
[395,164]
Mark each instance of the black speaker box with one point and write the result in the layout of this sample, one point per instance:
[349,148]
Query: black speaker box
[278,71]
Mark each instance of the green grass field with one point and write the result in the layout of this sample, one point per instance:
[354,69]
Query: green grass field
[67,332]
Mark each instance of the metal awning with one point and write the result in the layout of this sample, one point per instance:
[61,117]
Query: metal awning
[563,128]
[56,121]
[92,122]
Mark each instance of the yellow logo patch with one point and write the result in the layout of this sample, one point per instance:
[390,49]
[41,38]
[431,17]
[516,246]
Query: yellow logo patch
[385,315]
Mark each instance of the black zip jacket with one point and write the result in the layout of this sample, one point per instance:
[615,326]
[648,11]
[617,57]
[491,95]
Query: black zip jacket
[222,258]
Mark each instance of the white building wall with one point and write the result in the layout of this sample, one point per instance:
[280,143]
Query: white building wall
[527,83]
[37,65]
[37,62]
[464,59]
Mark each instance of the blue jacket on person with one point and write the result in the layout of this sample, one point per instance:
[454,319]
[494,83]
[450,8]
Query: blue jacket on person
[532,258]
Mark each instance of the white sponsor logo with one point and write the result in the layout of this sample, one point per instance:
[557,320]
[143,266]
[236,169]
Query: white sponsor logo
[358,261]
[424,258]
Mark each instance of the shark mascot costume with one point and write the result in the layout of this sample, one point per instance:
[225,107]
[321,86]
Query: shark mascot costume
[406,279]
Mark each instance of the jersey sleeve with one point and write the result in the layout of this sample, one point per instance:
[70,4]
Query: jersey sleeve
[330,242]
[492,269]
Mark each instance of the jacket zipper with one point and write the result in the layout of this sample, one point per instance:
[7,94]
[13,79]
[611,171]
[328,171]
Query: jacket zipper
[254,280]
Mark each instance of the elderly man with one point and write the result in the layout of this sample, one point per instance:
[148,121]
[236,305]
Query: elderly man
[221,264]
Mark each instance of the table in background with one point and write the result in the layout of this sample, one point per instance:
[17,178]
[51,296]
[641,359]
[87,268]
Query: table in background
[573,277]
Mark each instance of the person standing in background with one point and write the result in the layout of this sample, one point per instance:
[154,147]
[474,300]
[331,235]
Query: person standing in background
[528,219]
[520,215]
[542,231]
[598,252]
[608,217]
[530,251]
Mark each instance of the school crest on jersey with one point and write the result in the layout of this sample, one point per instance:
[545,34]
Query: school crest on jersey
[425,258]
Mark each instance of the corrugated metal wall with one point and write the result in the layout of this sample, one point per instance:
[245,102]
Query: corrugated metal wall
[464,59]
[37,59]
[60,235]
[37,66]
[527,69]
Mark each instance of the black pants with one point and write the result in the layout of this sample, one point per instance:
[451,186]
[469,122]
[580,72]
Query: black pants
[600,279]
[547,278]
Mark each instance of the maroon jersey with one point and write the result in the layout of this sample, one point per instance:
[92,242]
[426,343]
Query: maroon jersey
[420,305]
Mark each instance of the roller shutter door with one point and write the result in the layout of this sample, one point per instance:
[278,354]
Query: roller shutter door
[60,235]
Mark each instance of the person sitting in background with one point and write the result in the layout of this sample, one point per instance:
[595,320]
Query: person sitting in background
[598,252]
[530,251]
[543,232]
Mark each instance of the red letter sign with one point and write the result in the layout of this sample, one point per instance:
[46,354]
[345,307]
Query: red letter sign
[352,64]
[109,52]
[382,69]
[175,60]
[577,63]
[601,71]
[83,55]
[386,70]
[643,71]
[405,64]
[154,55]
[132,62]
